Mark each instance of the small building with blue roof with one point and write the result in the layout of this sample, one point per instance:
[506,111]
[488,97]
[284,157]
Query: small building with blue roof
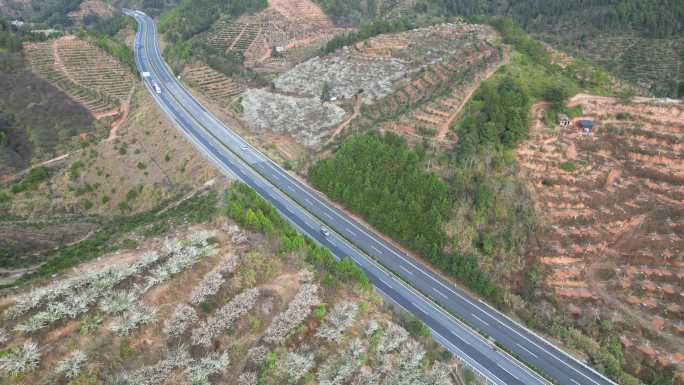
[587,125]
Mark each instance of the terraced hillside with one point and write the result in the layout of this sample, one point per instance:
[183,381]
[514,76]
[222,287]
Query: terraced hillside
[213,83]
[297,28]
[413,82]
[212,303]
[461,56]
[91,7]
[84,72]
[614,225]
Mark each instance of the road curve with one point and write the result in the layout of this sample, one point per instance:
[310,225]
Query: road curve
[429,297]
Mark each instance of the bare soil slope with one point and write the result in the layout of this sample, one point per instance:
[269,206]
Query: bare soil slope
[612,202]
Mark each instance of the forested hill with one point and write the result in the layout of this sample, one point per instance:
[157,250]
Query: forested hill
[663,18]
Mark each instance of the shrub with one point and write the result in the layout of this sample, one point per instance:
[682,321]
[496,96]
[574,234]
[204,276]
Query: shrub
[340,318]
[75,169]
[568,166]
[31,181]
[320,311]
[4,197]
[90,324]
[297,311]
[180,320]
[70,367]
[212,364]
[225,317]
[21,359]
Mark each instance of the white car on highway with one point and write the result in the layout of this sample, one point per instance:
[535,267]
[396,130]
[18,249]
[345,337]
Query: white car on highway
[325,232]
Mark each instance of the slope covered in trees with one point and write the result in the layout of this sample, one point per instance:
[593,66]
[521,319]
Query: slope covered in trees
[380,178]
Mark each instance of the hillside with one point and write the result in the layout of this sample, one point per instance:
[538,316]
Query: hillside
[38,119]
[215,302]
[85,145]
[86,73]
[612,229]
[639,40]
[143,164]
[58,92]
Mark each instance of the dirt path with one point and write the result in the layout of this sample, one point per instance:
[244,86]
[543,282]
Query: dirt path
[17,175]
[537,123]
[343,125]
[125,109]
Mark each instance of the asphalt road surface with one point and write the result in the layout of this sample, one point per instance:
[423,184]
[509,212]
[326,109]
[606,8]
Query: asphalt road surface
[428,296]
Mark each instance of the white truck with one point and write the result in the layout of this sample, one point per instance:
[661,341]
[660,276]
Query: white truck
[156,87]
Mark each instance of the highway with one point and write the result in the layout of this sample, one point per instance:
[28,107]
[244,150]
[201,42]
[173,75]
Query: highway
[396,275]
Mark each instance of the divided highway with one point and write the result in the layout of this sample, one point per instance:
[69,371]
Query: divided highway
[429,297]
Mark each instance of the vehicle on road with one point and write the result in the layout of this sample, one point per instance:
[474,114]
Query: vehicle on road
[325,232]
[156,87]
[244,147]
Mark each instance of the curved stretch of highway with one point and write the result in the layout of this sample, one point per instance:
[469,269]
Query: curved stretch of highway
[397,276]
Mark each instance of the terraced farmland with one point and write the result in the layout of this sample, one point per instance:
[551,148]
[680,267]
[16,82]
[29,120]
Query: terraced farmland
[298,35]
[213,304]
[612,202]
[83,71]
[434,116]
[212,82]
[439,79]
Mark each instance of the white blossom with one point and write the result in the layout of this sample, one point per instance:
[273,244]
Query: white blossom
[133,318]
[441,374]
[201,238]
[337,321]
[297,311]
[296,365]
[181,258]
[247,378]
[180,320]
[371,327]
[20,359]
[32,324]
[200,370]
[162,370]
[257,354]
[393,337]
[146,260]
[224,317]
[337,372]
[70,367]
[209,286]
[372,378]
[408,370]
[118,301]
